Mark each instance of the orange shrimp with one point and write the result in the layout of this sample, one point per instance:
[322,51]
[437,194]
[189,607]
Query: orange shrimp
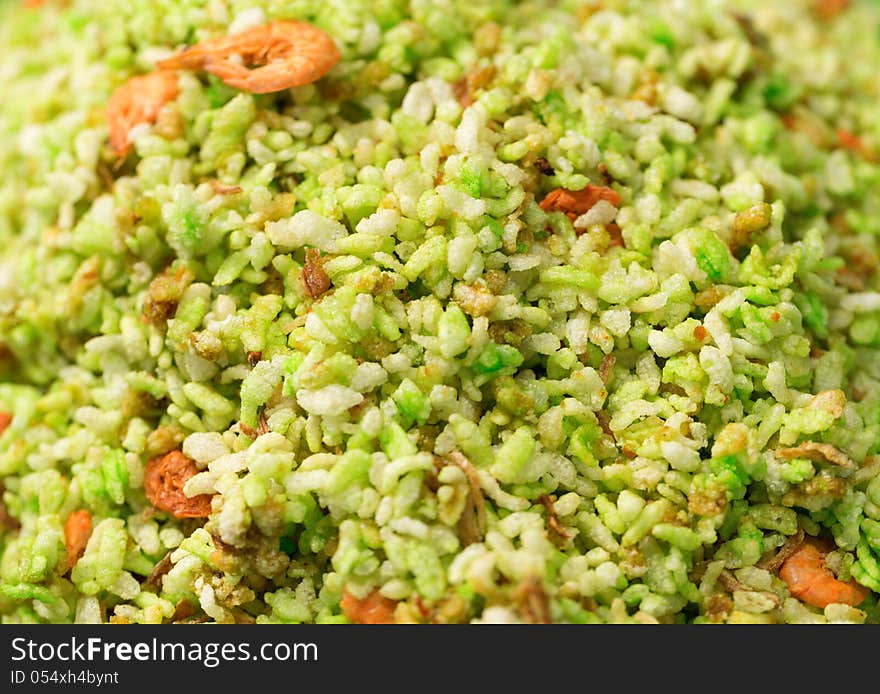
[373,609]
[5,421]
[826,10]
[854,143]
[138,101]
[289,54]
[810,581]
[577,202]
[77,531]
[164,479]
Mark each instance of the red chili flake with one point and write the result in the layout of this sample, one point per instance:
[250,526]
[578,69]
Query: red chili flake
[700,333]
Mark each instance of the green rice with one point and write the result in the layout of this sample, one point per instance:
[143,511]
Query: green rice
[495,413]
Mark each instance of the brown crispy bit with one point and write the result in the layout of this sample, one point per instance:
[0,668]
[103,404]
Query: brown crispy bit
[136,403]
[542,165]
[164,479]
[475,299]
[183,611]
[465,88]
[481,76]
[718,606]
[817,492]
[7,521]
[248,430]
[262,425]
[788,548]
[704,502]
[748,222]
[383,285]
[164,294]
[77,531]
[472,524]
[461,93]
[242,617]
[606,368]
[222,189]
[726,579]
[254,358]
[615,234]
[313,277]
[373,609]
[86,276]
[817,452]
[452,609]
[673,388]
[604,419]
[162,568]
[486,38]
[552,519]
[710,296]
[495,280]
[163,439]
[532,600]
[700,333]
[574,203]
[510,332]
[861,264]
[747,24]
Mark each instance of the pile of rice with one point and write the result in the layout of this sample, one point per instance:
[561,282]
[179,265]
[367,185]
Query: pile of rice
[494,413]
